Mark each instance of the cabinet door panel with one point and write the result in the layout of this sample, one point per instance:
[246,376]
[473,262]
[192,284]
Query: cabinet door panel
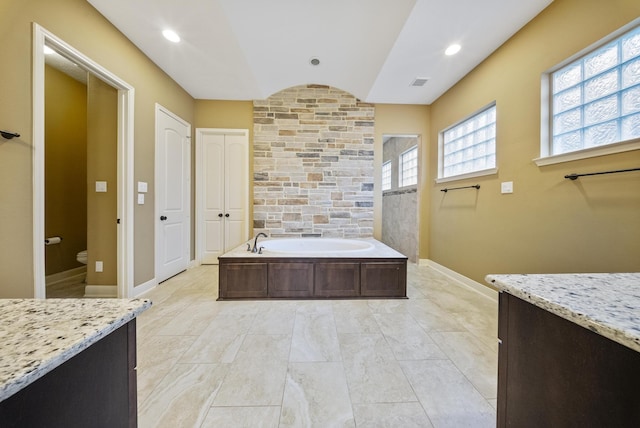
[238,280]
[290,279]
[337,279]
[384,279]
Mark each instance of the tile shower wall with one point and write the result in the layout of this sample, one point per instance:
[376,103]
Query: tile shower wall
[313,164]
[400,205]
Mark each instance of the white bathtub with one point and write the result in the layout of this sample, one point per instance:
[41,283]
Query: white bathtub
[315,246]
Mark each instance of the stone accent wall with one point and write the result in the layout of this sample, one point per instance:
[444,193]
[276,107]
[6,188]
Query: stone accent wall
[313,164]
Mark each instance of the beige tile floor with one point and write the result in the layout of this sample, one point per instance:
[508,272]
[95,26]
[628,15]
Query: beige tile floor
[427,361]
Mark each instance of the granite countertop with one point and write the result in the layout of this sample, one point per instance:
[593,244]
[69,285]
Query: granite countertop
[39,335]
[606,303]
[378,251]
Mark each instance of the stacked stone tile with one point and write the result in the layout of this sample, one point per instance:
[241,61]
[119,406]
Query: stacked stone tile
[313,164]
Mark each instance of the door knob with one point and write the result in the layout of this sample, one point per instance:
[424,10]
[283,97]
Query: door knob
[226,215]
[163,217]
[220,215]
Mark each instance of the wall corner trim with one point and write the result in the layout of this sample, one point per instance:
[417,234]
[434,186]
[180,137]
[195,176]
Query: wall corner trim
[461,279]
[143,288]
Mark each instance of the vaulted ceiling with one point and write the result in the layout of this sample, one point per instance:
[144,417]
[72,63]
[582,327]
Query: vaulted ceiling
[374,49]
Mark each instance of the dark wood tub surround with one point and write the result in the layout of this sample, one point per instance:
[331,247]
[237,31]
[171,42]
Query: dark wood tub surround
[311,277]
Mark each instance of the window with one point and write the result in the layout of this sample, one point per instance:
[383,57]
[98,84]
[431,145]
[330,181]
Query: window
[386,175]
[469,146]
[409,167]
[595,100]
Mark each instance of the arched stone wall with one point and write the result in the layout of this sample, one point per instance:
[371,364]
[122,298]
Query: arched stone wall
[313,163]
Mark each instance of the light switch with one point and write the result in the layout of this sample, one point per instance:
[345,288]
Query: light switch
[142,187]
[507,187]
[101,186]
[140,198]
[98,266]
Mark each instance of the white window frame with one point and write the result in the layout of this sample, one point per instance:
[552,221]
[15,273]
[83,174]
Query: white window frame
[478,173]
[546,137]
[401,166]
[386,175]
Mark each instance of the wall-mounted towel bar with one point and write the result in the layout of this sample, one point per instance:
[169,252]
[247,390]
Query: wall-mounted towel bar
[9,135]
[475,186]
[576,176]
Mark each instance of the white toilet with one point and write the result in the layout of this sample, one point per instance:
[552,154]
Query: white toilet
[82,257]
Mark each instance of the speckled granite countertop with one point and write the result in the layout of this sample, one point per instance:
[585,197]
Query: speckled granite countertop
[606,303]
[37,336]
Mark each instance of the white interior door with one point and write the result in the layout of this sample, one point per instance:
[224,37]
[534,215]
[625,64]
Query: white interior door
[213,195]
[222,177]
[235,195]
[173,164]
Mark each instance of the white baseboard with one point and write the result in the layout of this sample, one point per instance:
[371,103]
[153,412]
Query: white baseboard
[140,289]
[65,275]
[485,290]
[100,291]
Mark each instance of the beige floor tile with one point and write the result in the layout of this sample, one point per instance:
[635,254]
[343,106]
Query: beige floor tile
[361,348]
[259,348]
[251,384]
[475,360]
[377,382]
[192,321]
[314,335]
[432,317]
[156,358]
[391,415]
[448,398]
[221,340]
[354,316]
[406,338]
[243,417]
[277,320]
[366,351]
[183,397]
[316,395]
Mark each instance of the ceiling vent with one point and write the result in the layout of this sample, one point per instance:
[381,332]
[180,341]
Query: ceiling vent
[420,81]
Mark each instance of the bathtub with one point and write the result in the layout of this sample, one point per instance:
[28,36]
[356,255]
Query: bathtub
[312,268]
[315,246]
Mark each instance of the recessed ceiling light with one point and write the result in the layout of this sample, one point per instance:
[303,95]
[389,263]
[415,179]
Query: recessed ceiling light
[452,49]
[48,50]
[314,61]
[171,36]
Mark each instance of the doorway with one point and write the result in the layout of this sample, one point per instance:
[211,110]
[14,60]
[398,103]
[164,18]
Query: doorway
[400,193]
[222,189]
[122,184]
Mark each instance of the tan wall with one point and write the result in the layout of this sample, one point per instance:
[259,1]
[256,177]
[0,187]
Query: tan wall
[549,224]
[65,169]
[102,165]
[404,119]
[77,23]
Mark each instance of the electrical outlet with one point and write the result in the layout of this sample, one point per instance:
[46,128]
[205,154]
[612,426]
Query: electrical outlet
[140,198]
[101,186]
[506,187]
[98,266]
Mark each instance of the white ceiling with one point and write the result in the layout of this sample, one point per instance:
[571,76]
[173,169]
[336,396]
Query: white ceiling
[374,49]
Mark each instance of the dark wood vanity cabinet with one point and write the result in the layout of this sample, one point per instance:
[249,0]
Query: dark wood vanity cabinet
[555,373]
[95,388]
[311,278]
